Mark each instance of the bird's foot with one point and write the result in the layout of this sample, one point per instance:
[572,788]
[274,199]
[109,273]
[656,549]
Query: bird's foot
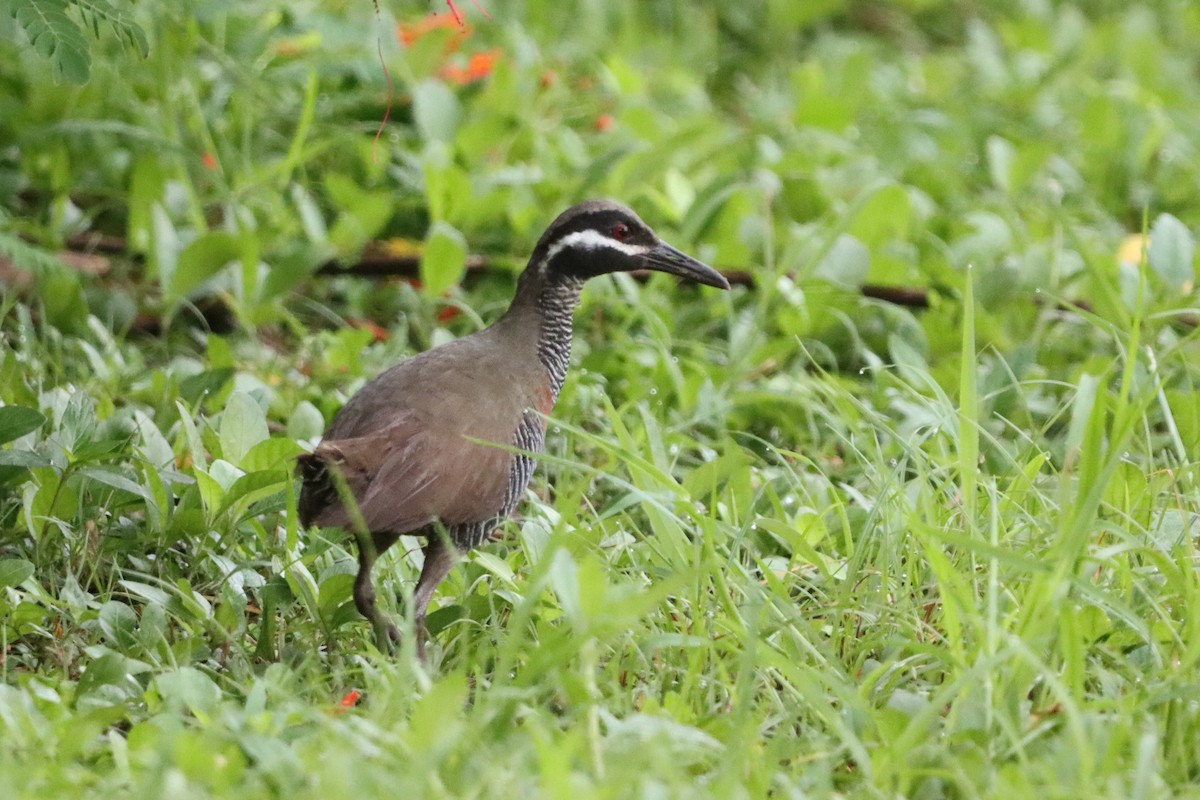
[387,635]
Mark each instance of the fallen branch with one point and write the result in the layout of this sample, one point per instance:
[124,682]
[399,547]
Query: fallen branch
[377,262]
[380,265]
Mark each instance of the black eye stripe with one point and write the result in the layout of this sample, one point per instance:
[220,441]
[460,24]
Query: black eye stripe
[603,220]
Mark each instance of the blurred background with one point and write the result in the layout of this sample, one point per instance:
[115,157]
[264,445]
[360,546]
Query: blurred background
[851,143]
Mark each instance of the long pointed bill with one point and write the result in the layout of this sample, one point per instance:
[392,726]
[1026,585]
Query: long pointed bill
[664,258]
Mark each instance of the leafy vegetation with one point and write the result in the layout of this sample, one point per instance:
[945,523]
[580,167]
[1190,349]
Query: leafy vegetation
[787,541]
[56,35]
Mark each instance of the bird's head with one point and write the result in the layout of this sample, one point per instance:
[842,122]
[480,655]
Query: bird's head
[599,236]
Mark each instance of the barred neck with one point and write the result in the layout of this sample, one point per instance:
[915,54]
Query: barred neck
[557,302]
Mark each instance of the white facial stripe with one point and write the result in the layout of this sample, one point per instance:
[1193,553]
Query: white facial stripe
[590,240]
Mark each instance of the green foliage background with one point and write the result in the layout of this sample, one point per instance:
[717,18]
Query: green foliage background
[787,541]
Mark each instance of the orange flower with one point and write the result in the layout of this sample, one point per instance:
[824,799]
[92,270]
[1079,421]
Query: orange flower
[603,122]
[478,67]
[209,161]
[349,700]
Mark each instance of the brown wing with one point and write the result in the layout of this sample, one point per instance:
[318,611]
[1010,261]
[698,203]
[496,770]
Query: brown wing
[404,477]
[404,444]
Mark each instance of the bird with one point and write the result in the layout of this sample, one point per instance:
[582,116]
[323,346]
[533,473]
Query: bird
[442,445]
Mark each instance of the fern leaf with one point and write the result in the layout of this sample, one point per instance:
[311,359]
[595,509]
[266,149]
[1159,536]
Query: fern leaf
[53,34]
[20,253]
[128,31]
[26,256]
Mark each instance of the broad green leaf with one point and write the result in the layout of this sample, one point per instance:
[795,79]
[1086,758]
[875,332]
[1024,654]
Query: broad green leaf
[497,566]
[251,487]
[225,473]
[679,192]
[306,421]
[846,263]
[817,102]
[146,185]
[14,572]
[154,446]
[443,259]
[202,259]
[16,421]
[243,425]
[885,215]
[192,601]
[311,219]
[1000,156]
[191,436]
[564,579]
[220,352]
[163,256]
[908,358]
[364,212]
[195,388]
[344,192]
[63,300]
[296,262]
[1171,252]
[78,426]
[190,688]
[152,594]
[334,591]
[710,476]
[270,453]
[119,624]
[24,458]
[211,491]
[436,110]
[109,476]
[108,669]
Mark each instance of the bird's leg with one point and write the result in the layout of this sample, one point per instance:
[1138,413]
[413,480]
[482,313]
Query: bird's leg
[370,547]
[386,634]
[440,556]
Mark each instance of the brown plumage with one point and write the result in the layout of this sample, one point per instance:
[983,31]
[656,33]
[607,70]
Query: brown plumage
[416,447]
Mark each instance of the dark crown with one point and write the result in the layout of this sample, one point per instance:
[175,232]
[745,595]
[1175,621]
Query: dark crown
[595,229]
[601,236]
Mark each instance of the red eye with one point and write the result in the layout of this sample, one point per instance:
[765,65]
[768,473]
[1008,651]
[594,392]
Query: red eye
[620,231]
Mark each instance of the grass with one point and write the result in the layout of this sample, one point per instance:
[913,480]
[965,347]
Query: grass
[785,541]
